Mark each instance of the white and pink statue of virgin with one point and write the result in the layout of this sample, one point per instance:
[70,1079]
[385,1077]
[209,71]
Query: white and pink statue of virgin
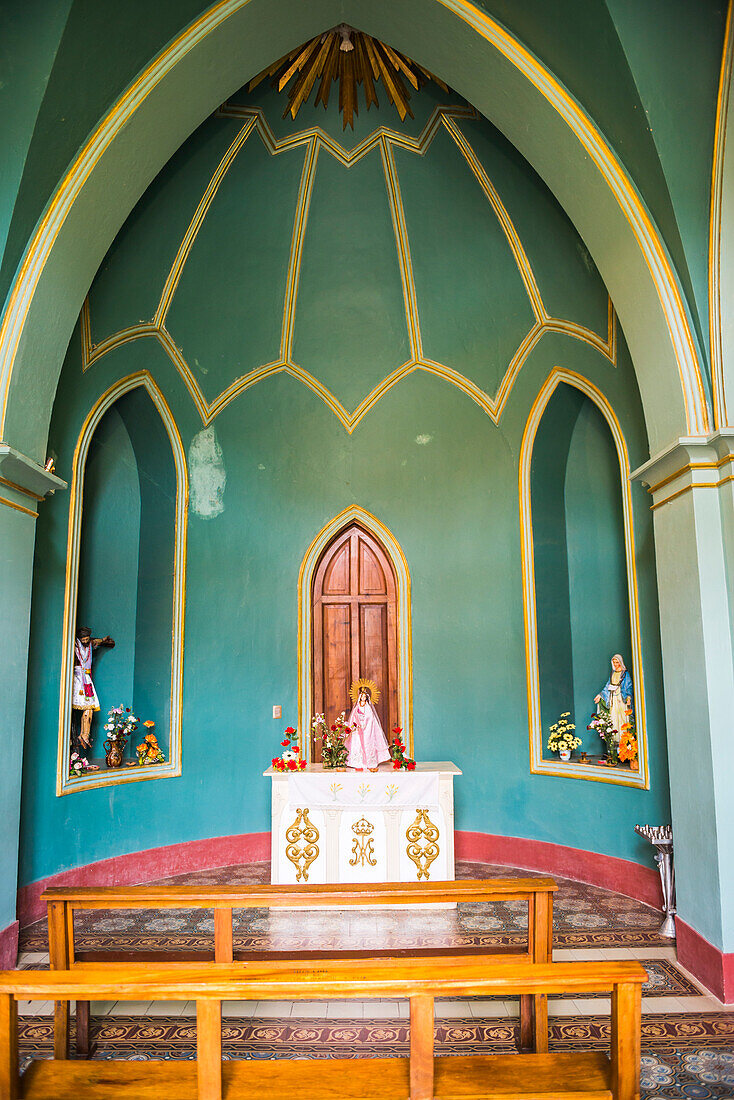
[367,745]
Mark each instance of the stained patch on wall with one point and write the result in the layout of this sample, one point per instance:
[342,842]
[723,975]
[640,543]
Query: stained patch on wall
[207,475]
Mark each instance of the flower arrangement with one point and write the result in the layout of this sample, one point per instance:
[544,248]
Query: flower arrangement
[78,764]
[602,723]
[289,760]
[397,753]
[561,739]
[334,749]
[149,751]
[628,741]
[121,725]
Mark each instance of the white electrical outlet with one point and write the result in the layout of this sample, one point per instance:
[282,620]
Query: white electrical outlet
[277,712]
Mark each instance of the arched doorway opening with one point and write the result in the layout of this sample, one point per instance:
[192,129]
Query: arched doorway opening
[354,622]
[329,537]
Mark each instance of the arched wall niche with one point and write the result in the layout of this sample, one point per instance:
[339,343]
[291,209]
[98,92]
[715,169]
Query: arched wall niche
[576,618]
[127,578]
[477,56]
[325,538]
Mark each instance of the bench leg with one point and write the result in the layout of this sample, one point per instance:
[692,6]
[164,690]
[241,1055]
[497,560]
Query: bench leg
[9,1083]
[58,945]
[421,1047]
[82,1028]
[540,1023]
[61,1029]
[209,1049]
[223,936]
[626,1040]
[526,1023]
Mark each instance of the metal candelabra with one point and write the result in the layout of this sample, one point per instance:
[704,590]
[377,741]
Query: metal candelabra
[661,837]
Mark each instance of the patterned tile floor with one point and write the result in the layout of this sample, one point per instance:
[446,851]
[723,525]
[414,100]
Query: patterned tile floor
[688,1035]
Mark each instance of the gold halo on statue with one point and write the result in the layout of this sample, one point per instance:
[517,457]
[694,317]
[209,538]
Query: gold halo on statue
[357,686]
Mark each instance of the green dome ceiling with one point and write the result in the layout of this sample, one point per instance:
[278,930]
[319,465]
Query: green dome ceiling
[347,260]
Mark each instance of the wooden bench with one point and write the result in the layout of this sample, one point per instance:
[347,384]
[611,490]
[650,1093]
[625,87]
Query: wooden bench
[62,901]
[558,1076]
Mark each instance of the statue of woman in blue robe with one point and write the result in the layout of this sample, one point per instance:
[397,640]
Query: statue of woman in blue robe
[617,694]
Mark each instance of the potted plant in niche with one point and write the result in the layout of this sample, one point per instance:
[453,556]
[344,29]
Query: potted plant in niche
[561,737]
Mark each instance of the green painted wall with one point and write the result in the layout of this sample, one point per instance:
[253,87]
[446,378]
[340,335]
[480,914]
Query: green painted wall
[276,465]
[16,556]
[29,36]
[685,39]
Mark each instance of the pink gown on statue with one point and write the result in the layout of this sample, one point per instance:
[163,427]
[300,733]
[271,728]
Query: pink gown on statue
[367,744]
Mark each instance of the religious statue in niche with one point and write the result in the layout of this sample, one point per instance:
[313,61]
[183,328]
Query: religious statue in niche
[84,701]
[368,745]
[615,718]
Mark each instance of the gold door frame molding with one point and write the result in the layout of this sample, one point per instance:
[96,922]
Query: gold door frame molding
[662,274]
[64,784]
[539,765]
[354,514]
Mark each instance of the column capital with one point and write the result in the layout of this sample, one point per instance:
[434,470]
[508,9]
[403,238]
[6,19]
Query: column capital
[692,462]
[22,474]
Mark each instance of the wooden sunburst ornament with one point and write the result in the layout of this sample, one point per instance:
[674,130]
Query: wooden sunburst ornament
[352,58]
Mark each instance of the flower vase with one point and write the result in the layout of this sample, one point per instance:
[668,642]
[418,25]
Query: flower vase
[565,755]
[114,749]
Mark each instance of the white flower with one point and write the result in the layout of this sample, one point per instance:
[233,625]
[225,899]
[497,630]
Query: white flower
[288,755]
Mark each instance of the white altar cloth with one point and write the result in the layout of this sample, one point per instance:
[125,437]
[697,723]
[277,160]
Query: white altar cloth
[360,790]
[347,826]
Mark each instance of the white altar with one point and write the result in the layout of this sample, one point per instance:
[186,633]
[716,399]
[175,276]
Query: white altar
[347,826]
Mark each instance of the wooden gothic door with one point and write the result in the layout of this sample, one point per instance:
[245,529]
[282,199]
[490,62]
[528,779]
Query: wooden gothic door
[355,626]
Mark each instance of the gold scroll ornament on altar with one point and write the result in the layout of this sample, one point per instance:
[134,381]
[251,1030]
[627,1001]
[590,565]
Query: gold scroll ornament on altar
[363,847]
[422,837]
[301,844]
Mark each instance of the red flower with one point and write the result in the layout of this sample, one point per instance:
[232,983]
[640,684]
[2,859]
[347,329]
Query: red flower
[292,766]
[397,729]
[276,761]
[411,765]
[285,744]
[289,730]
[396,765]
[301,764]
[333,729]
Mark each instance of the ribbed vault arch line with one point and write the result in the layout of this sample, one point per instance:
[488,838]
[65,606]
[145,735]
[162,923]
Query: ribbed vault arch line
[645,232]
[141,379]
[535,729]
[313,138]
[354,514]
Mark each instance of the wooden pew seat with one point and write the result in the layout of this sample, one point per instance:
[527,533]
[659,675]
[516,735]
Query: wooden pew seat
[422,1076]
[562,1076]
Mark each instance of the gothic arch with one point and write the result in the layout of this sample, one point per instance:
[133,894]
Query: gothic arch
[535,728]
[81,451]
[235,38]
[355,514]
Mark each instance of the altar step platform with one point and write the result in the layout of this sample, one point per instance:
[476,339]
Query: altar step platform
[333,826]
